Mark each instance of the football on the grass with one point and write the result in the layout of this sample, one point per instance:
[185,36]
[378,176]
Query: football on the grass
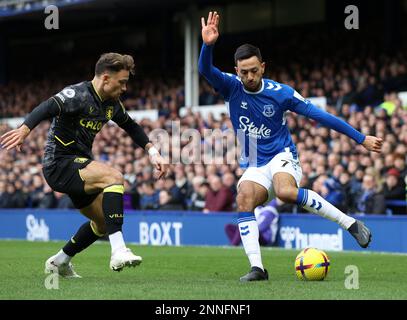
[312,264]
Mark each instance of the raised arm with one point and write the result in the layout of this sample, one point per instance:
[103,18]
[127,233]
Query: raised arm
[210,34]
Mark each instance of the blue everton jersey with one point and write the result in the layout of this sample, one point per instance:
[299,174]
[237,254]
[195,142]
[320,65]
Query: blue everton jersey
[258,118]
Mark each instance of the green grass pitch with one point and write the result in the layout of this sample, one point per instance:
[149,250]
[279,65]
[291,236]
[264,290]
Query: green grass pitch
[194,273]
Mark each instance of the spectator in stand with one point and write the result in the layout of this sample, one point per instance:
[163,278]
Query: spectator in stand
[37,192]
[395,189]
[177,197]
[332,189]
[129,174]
[400,164]
[181,182]
[149,198]
[389,160]
[370,201]
[200,187]
[167,203]
[349,205]
[229,181]
[20,198]
[218,197]
[391,102]
[6,196]
[48,201]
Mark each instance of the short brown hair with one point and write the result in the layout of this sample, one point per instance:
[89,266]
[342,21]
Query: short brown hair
[114,62]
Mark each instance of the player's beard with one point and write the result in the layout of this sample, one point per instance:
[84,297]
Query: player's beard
[252,87]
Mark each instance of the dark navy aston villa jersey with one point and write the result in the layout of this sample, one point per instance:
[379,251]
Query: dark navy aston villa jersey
[82,115]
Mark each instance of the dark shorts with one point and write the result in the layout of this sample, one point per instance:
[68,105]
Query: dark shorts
[64,177]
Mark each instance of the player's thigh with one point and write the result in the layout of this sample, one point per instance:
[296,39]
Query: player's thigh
[253,188]
[284,183]
[98,176]
[94,212]
[252,192]
[284,162]
[64,175]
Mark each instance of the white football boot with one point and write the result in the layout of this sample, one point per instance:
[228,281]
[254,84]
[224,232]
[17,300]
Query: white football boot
[124,258]
[65,270]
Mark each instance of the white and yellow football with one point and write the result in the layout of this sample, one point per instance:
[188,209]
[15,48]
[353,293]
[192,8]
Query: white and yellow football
[312,264]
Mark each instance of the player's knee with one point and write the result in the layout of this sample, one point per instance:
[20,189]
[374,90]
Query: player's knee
[245,202]
[113,177]
[286,194]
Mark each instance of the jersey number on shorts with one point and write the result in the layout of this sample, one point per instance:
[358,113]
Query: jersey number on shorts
[285,162]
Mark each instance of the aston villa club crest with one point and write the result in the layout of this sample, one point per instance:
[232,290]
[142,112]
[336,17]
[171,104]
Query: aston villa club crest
[268,110]
[109,113]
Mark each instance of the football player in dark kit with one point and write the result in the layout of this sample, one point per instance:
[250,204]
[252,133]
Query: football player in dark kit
[96,189]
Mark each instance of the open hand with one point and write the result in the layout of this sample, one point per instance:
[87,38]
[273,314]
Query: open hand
[14,138]
[210,31]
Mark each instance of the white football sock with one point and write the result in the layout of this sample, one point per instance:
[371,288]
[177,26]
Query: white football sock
[117,241]
[314,203]
[249,233]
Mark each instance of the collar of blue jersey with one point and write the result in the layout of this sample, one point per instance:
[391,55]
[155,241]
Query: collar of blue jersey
[260,90]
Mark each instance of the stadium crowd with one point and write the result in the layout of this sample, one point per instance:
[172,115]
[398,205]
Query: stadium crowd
[360,85]
[334,166]
[354,83]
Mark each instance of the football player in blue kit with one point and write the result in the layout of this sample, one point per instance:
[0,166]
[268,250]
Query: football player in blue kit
[257,108]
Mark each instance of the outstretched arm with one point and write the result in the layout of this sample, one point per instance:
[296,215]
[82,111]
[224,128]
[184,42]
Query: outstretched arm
[309,110]
[210,34]
[205,66]
[15,138]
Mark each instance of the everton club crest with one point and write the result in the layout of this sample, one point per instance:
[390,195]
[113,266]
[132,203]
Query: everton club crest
[268,110]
